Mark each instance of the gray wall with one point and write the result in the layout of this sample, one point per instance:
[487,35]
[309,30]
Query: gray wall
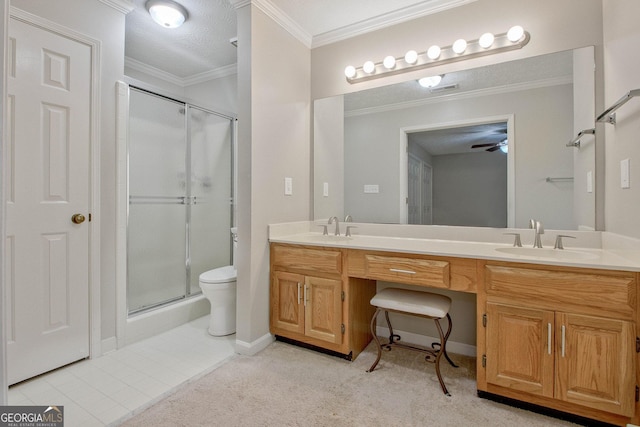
[372,153]
[470,189]
[274,142]
[622,74]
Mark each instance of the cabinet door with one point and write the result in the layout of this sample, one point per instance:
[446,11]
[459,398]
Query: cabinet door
[595,362]
[520,348]
[323,309]
[286,299]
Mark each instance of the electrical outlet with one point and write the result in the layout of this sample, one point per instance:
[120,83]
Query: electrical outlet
[590,182]
[325,189]
[371,188]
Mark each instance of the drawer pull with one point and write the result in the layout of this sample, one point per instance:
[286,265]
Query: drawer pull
[397,270]
[305,295]
[298,293]
[548,338]
[563,339]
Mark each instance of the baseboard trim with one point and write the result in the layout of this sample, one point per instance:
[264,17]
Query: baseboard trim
[254,347]
[549,412]
[423,340]
[109,345]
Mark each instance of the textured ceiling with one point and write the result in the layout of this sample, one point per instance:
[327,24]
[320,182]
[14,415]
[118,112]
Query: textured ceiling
[202,45]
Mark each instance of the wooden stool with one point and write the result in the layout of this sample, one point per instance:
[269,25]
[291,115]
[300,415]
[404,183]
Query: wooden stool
[417,303]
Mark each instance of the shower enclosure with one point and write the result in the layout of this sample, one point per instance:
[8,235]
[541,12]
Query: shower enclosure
[180,185]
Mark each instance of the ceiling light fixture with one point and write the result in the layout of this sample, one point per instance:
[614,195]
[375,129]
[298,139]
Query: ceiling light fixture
[167,13]
[487,44]
[430,82]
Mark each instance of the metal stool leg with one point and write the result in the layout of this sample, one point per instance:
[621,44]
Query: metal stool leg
[392,337]
[443,344]
[438,356]
[375,337]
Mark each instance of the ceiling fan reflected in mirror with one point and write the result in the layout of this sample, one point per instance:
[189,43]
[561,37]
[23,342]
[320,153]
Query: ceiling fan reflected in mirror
[494,146]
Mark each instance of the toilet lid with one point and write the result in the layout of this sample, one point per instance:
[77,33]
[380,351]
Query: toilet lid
[219,275]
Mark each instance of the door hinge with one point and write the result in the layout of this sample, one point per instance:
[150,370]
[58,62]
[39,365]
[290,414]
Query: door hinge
[484,320]
[342,328]
[484,360]
[637,394]
[342,295]
[637,344]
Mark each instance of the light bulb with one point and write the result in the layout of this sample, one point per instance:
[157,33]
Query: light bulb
[369,67]
[350,71]
[515,33]
[389,62]
[486,40]
[411,57]
[459,46]
[429,82]
[433,52]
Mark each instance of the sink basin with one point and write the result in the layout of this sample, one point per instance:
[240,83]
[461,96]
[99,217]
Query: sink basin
[547,253]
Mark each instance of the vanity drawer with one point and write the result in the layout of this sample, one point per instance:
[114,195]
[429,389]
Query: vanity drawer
[411,271]
[598,292]
[307,259]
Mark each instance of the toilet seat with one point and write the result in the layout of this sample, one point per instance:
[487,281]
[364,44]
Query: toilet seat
[219,275]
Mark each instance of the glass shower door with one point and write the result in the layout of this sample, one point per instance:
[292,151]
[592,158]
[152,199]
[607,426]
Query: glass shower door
[157,210]
[211,190]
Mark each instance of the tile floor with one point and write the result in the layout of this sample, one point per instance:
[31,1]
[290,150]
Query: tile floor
[106,390]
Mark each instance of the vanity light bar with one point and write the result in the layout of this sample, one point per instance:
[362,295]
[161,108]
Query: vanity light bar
[460,50]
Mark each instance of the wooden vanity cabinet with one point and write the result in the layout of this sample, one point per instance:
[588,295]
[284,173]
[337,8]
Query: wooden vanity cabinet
[565,335]
[307,305]
[314,302]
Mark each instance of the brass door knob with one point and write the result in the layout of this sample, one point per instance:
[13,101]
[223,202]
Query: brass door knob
[77,218]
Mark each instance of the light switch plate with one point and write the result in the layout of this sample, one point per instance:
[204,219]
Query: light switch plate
[590,182]
[624,174]
[288,186]
[325,189]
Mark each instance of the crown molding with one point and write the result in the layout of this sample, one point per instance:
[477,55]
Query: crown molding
[399,16]
[284,21]
[517,87]
[279,17]
[123,6]
[134,64]
[218,73]
[424,8]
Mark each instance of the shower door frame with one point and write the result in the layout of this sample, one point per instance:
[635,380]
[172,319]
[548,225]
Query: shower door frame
[122,204]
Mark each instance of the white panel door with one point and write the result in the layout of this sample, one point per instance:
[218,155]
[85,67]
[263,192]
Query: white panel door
[413,190]
[47,173]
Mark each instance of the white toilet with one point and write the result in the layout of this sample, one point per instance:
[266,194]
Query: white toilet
[219,287]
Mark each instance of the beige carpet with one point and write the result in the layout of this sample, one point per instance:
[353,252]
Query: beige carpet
[285,385]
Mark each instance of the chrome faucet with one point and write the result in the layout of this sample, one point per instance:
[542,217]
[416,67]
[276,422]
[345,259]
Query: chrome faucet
[331,220]
[539,229]
[348,218]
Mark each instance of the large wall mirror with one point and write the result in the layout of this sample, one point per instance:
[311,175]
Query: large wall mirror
[485,147]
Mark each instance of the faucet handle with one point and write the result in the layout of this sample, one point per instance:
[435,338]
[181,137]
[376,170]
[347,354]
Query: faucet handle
[559,237]
[516,241]
[348,232]
[324,230]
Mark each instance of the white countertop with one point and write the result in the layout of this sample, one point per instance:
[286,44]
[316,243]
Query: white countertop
[624,258]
